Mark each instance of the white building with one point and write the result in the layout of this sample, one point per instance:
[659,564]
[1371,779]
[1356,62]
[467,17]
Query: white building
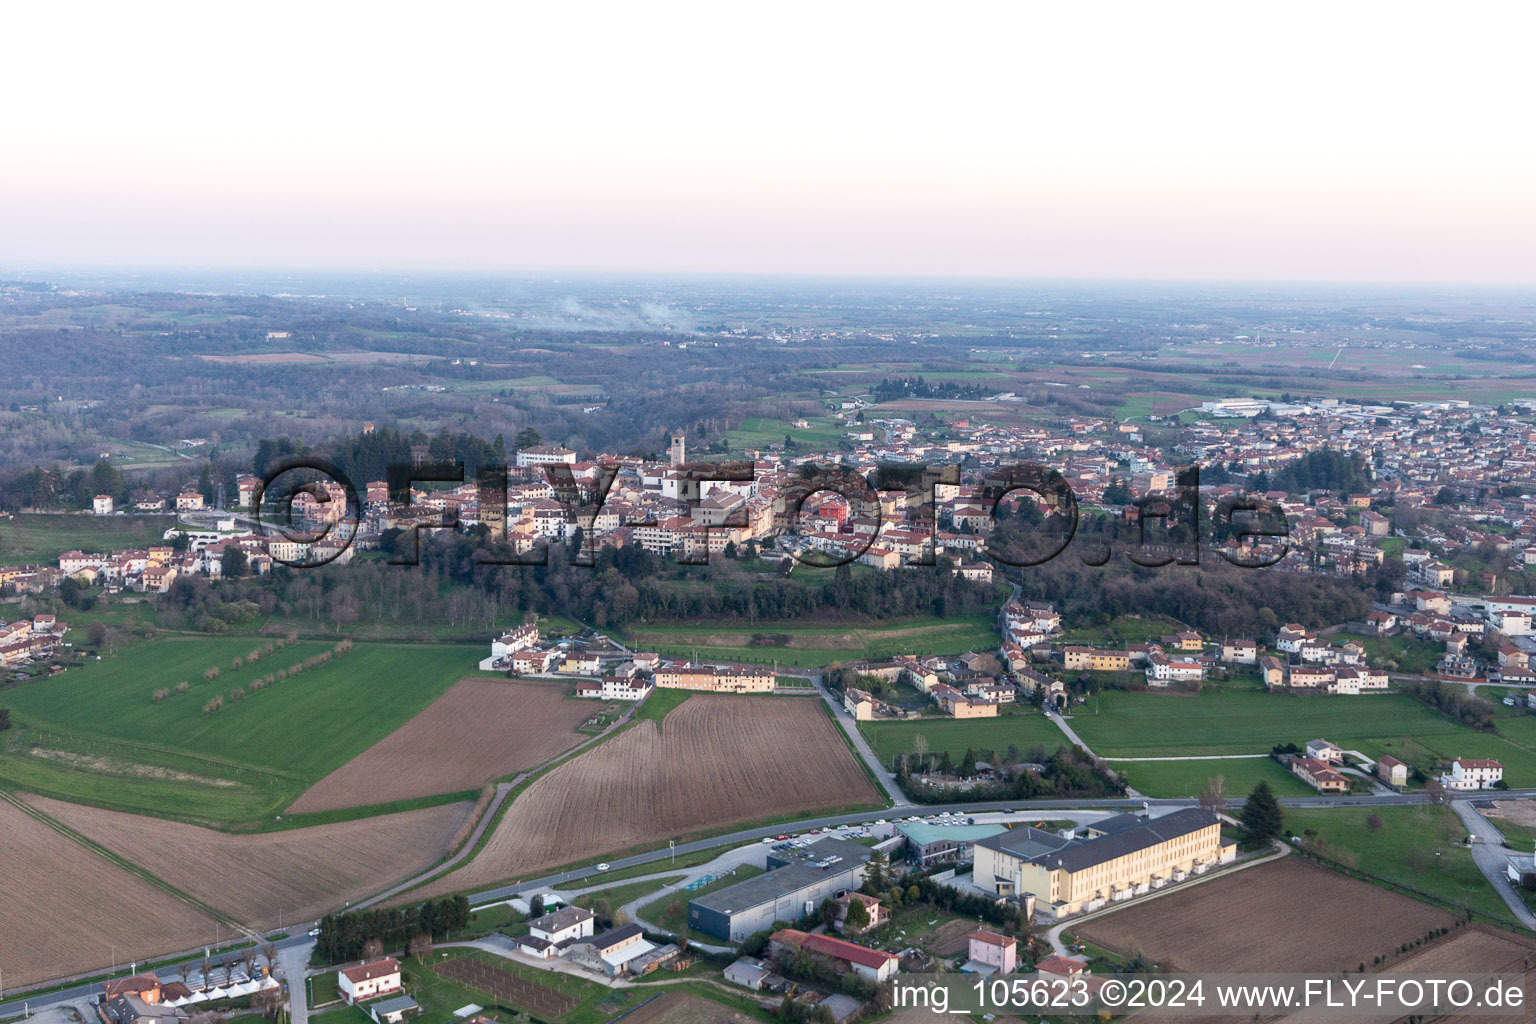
[367,980]
[102,504]
[1472,773]
[546,455]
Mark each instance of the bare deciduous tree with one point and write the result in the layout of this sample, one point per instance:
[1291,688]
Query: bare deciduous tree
[1214,796]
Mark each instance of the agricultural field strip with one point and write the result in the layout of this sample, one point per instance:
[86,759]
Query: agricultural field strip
[119,861]
[643,784]
[253,878]
[54,883]
[479,730]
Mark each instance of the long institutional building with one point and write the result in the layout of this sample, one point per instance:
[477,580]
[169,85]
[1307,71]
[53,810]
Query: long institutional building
[1112,860]
[719,679]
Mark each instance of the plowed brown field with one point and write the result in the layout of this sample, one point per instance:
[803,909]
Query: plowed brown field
[715,760]
[1287,916]
[65,907]
[304,872]
[479,730]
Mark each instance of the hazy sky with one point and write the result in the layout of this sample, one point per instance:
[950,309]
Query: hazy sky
[1329,141]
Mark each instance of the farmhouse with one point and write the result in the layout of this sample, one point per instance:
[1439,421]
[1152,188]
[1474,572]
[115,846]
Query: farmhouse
[1473,773]
[369,980]
[1117,859]
[870,964]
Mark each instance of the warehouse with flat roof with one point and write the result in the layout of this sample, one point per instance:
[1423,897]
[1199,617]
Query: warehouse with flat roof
[794,886]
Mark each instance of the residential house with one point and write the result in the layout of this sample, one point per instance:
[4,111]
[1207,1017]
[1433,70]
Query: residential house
[369,980]
[1473,773]
[990,953]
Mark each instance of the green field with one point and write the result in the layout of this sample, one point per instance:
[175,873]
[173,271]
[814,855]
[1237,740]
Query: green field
[1188,778]
[1234,721]
[42,538]
[760,432]
[948,734]
[1415,847]
[818,644]
[244,762]
[1124,629]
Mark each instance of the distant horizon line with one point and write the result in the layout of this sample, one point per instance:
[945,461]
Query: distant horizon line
[23,271]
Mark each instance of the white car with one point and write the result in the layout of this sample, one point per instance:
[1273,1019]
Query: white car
[879,821]
[767,839]
[603,867]
[314,933]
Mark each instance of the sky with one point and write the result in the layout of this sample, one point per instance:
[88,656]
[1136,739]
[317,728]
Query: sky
[1304,141]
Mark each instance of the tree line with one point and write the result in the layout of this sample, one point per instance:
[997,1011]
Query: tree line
[347,936]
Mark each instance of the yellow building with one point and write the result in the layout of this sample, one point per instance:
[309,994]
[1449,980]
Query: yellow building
[1116,859]
[720,679]
[859,704]
[1096,660]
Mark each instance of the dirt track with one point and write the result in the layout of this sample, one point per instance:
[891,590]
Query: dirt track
[716,760]
[479,730]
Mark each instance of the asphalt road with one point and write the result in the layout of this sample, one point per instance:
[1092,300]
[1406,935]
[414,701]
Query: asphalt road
[81,993]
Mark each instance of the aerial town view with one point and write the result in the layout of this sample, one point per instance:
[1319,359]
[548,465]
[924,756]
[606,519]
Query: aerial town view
[516,517]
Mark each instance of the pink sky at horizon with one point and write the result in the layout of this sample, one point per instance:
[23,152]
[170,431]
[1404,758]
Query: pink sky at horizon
[1371,142]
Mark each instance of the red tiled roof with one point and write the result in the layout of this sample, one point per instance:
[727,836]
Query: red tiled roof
[838,949]
[375,969]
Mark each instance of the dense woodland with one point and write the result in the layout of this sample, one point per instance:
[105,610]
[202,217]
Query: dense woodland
[450,585]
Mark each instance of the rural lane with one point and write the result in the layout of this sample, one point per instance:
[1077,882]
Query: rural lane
[1490,856]
[861,746]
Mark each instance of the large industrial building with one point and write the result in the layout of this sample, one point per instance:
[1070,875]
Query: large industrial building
[795,884]
[1112,860]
